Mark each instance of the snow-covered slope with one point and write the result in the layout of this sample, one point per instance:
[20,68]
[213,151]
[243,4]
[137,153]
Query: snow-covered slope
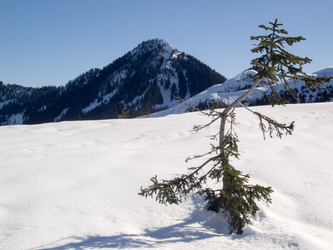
[152,73]
[235,87]
[74,185]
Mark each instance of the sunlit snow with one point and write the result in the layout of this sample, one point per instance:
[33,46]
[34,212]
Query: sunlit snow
[74,185]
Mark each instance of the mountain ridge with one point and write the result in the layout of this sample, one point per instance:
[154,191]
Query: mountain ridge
[235,87]
[145,80]
[152,80]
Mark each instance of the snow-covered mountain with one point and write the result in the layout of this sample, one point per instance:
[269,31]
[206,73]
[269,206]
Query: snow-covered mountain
[235,87]
[144,80]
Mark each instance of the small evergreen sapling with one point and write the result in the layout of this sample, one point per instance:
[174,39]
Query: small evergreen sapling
[236,199]
[124,113]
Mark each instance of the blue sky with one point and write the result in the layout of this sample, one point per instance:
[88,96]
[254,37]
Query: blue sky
[49,42]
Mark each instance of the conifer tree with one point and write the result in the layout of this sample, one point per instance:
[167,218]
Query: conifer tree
[124,113]
[236,199]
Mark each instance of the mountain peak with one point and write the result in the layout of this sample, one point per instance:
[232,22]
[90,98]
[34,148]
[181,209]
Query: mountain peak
[157,41]
[156,45]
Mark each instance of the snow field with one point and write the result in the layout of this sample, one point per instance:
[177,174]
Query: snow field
[74,185]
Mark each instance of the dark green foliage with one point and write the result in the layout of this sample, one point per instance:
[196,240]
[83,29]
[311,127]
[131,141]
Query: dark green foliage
[73,113]
[198,74]
[238,200]
[124,113]
[25,100]
[276,64]
[208,104]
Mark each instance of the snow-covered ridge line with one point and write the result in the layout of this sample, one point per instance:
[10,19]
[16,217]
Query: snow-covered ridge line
[145,80]
[235,87]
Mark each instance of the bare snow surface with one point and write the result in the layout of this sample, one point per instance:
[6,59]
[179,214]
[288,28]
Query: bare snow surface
[74,185]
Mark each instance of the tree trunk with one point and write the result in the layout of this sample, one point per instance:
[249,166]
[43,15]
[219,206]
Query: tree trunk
[226,112]
[224,116]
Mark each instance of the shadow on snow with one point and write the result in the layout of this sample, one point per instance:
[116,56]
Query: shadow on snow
[202,224]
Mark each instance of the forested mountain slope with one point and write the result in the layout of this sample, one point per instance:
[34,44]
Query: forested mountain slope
[145,80]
